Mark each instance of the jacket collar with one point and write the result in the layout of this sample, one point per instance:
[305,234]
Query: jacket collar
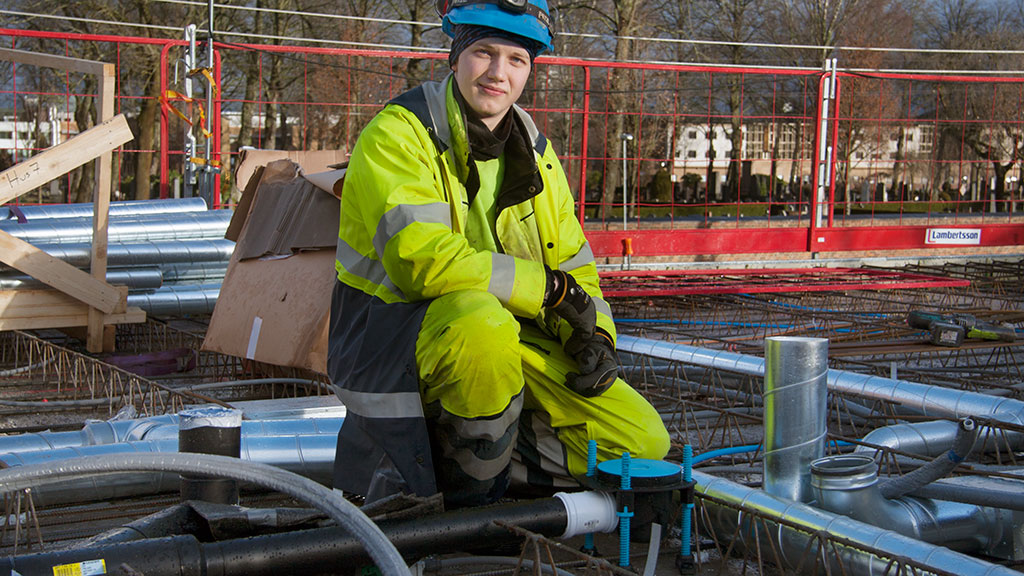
[440,114]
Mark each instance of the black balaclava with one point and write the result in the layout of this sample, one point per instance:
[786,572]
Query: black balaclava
[466,34]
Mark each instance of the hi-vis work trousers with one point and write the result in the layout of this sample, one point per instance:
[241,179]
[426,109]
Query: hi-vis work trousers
[499,411]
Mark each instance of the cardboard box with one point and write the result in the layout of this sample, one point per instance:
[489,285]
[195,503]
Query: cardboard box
[249,160]
[275,300]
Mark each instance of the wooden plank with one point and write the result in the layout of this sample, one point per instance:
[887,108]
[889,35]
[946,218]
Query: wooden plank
[54,61]
[58,274]
[66,319]
[53,307]
[94,341]
[63,158]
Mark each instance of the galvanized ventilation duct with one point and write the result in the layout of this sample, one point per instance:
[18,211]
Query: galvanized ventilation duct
[164,427]
[802,523]
[929,400]
[305,446]
[212,250]
[934,438]
[848,484]
[965,526]
[201,273]
[178,300]
[209,224]
[794,383]
[135,278]
[127,208]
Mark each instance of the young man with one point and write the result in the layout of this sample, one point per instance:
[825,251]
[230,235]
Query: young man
[468,336]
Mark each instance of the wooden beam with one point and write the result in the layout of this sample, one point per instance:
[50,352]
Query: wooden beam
[94,341]
[53,61]
[31,309]
[63,158]
[23,256]
[70,318]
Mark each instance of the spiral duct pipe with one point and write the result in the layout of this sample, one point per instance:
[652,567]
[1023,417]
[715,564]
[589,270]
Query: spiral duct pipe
[209,224]
[124,208]
[178,299]
[310,456]
[135,278]
[794,383]
[933,401]
[848,484]
[195,251]
[793,527]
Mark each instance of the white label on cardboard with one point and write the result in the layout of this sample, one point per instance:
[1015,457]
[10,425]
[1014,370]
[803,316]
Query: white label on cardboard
[953,236]
[254,337]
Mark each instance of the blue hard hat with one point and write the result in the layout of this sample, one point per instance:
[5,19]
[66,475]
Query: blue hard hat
[527,18]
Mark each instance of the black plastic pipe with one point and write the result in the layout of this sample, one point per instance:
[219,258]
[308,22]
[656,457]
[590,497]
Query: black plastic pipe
[210,430]
[307,552]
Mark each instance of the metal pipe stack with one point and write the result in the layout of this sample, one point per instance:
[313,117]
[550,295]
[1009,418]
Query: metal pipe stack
[171,254]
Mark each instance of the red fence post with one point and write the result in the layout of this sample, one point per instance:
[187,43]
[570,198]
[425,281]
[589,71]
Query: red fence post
[164,123]
[584,138]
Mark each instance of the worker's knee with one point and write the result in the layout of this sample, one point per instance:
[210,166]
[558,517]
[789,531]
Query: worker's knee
[650,438]
[652,443]
[474,322]
[468,356]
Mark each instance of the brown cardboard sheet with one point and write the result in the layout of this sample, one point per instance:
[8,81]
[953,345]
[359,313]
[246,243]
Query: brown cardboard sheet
[275,299]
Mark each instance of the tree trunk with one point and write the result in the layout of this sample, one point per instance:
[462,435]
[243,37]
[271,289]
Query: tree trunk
[84,186]
[146,138]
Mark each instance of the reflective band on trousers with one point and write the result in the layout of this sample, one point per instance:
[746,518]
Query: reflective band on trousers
[396,219]
[490,429]
[381,404]
[480,469]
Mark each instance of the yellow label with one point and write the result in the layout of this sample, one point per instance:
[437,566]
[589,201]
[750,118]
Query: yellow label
[87,568]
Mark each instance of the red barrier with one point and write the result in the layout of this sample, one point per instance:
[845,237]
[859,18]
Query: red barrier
[722,160]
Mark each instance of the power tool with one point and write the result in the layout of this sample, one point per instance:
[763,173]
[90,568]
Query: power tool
[951,329]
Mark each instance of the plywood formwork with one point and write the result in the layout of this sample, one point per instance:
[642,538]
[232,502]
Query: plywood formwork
[78,298]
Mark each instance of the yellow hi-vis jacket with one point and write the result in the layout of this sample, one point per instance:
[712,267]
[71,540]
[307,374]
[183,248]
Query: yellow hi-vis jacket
[402,243]
[404,209]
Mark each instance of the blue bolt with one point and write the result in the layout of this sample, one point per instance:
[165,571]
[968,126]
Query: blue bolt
[687,515]
[588,539]
[625,515]
[624,521]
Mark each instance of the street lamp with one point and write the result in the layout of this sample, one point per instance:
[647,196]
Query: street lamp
[625,179]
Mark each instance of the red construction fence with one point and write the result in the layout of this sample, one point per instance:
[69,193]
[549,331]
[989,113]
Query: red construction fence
[713,160]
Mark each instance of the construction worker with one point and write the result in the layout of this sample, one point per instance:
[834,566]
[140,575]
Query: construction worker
[468,337]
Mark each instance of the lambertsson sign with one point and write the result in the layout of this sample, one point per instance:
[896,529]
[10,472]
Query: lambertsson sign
[952,236]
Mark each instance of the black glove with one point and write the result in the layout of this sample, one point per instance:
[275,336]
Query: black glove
[569,300]
[599,367]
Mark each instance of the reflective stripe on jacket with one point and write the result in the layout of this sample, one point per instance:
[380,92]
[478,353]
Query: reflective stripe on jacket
[404,209]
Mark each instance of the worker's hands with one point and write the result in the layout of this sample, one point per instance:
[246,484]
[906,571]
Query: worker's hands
[599,367]
[565,297]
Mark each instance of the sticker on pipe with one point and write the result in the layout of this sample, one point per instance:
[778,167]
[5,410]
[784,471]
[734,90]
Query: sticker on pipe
[954,236]
[87,568]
